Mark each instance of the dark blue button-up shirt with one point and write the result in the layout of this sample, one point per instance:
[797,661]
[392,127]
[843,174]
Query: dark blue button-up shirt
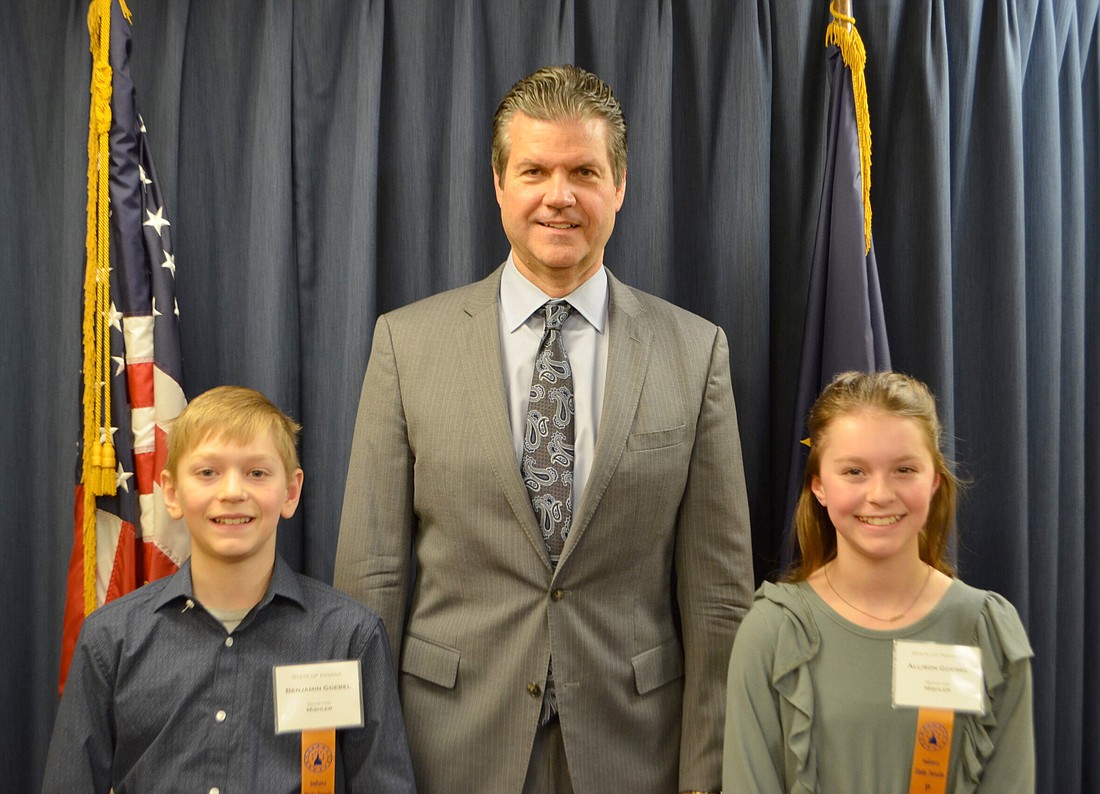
[160,698]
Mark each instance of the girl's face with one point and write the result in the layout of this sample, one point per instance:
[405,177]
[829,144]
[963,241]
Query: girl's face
[876,481]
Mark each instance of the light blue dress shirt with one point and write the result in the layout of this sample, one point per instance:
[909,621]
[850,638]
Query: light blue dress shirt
[585,339]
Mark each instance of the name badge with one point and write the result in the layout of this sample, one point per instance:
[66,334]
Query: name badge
[932,675]
[320,695]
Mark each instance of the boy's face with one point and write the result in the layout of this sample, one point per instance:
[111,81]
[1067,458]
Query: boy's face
[232,496]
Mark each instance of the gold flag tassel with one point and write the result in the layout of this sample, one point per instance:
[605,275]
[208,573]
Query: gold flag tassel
[98,461]
[842,32]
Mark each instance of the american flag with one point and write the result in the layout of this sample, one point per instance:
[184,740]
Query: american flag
[135,541]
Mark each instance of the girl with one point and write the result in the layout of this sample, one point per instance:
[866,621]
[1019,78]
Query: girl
[813,704]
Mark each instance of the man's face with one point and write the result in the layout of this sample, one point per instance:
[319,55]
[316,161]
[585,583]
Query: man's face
[558,199]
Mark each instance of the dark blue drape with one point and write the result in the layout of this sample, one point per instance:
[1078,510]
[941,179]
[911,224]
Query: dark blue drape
[327,160]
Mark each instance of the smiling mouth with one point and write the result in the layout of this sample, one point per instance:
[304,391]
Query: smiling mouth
[558,226]
[236,521]
[880,521]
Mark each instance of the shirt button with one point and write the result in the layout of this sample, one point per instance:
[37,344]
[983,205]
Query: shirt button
[228,642]
[534,690]
[558,594]
[215,790]
[220,716]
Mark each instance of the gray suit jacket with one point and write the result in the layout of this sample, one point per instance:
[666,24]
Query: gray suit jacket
[438,536]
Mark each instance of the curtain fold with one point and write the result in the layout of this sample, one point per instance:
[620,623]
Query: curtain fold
[326,161]
[1088,28]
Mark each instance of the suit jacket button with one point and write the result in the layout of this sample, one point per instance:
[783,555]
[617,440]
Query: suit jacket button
[558,594]
[534,690]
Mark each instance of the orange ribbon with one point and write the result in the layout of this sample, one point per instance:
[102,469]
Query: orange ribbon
[319,762]
[932,751]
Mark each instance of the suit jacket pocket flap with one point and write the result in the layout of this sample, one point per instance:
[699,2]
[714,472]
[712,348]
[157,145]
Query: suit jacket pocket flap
[656,439]
[430,661]
[658,666]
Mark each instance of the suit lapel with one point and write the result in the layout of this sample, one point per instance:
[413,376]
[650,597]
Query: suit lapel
[627,359]
[484,385]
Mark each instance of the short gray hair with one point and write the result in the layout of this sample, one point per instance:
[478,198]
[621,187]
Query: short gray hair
[560,93]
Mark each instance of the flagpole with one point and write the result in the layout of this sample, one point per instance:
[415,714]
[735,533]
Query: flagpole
[844,7]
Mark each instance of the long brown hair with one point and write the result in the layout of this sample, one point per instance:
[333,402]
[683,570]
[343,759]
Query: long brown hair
[896,394]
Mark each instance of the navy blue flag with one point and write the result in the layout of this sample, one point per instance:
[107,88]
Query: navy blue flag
[845,328]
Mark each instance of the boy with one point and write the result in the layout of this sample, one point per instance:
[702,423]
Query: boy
[171,687]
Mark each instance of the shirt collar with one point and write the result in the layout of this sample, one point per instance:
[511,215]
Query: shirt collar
[519,298]
[283,583]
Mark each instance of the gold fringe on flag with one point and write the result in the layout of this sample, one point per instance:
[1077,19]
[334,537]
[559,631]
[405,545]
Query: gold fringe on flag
[842,32]
[98,461]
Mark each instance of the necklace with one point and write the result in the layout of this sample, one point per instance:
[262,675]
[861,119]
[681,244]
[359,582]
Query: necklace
[896,617]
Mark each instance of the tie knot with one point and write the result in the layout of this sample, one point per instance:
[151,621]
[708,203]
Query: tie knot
[556,313]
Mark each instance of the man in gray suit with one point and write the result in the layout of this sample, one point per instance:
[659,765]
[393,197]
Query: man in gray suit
[546,503]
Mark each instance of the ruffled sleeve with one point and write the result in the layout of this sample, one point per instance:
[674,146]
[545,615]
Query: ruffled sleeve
[797,643]
[998,748]
[770,687]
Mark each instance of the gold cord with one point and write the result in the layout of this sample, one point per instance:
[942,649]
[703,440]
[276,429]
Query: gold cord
[842,32]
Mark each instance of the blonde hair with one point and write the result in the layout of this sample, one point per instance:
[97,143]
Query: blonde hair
[896,394]
[560,93]
[235,414]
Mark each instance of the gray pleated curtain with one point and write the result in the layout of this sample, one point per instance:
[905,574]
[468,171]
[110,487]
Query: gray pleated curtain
[324,161]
